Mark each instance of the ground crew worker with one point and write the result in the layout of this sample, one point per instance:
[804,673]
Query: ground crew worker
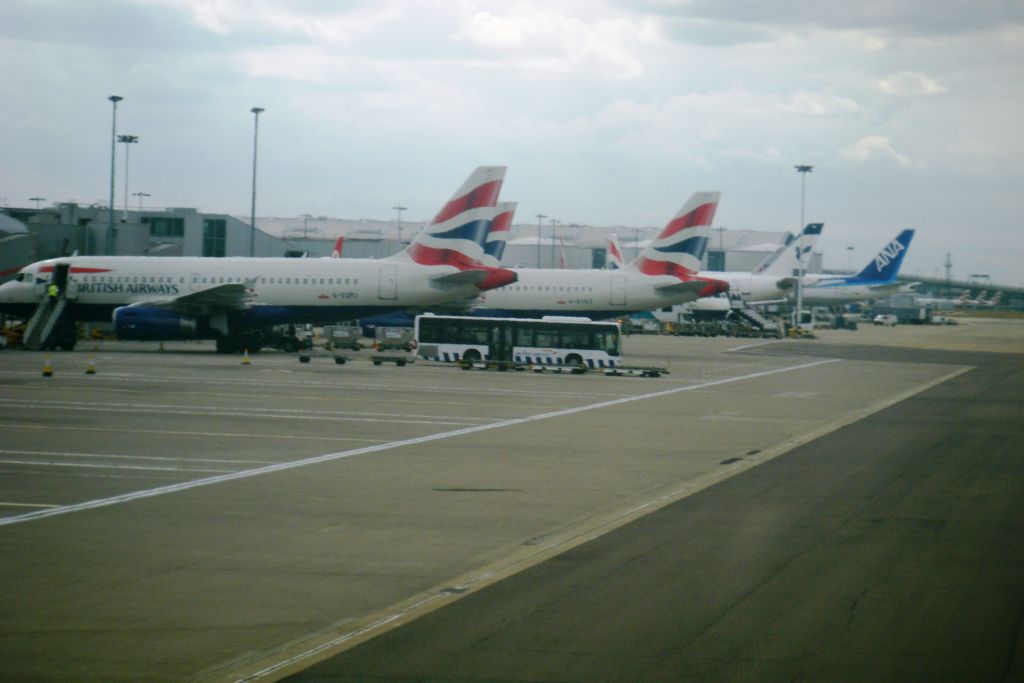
[52,291]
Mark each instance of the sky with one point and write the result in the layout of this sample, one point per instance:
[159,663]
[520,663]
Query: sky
[606,112]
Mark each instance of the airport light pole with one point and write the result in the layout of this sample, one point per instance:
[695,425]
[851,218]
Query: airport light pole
[554,226]
[109,246]
[849,258]
[37,200]
[803,170]
[127,140]
[399,209]
[140,195]
[540,217]
[252,213]
[636,243]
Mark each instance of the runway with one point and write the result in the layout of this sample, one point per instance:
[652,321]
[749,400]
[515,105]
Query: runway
[242,523]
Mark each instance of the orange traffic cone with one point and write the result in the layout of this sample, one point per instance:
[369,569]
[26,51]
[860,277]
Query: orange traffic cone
[245,357]
[90,369]
[47,368]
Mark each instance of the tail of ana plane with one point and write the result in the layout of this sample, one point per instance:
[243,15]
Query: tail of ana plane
[886,263]
[614,256]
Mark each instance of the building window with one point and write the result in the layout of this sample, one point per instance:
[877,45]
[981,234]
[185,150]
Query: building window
[163,226]
[214,230]
[716,260]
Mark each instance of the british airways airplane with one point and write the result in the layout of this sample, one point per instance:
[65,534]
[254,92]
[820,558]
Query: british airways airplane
[665,273]
[876,279]
[234,300]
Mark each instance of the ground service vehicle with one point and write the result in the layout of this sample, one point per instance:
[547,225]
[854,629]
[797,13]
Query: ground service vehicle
[547,341]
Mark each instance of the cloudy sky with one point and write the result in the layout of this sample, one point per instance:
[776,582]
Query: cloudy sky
[607,112]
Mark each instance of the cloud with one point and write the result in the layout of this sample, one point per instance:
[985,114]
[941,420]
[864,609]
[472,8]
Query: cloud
[560,43]
[873,147]
[893,17]
[910,83]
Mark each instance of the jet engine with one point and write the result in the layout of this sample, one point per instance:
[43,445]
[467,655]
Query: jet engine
[143,323]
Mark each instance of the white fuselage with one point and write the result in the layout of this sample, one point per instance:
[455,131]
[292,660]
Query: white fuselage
[753,288]
[344,288]
[821,289]
[596,294]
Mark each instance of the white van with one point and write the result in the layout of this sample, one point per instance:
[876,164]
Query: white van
[886,319]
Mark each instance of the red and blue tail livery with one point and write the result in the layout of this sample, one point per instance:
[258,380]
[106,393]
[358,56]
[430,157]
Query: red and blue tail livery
[457,234]
[678,250]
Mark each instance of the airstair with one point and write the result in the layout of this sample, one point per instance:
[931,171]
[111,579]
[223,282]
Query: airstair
[43,322]
[741,309]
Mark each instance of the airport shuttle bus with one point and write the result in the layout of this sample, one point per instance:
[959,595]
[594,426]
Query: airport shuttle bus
[547,341]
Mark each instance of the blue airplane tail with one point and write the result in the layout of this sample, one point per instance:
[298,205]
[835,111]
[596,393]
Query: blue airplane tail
[886,263]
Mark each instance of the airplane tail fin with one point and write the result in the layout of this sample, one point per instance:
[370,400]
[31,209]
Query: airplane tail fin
[497,237]
[680,246]
[614,256]
[788,261]
[458,231]
[886,263]
[457,234]
[338,246]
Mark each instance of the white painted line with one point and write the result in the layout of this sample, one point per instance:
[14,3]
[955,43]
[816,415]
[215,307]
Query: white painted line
[174,432]
[34,404]
[750,346]
[97,466]
[460,390]
[68,454]
[26,505]
[328,457]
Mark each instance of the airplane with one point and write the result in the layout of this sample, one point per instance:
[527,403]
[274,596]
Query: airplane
[665,273]
[615,260]
[776,276]
[981,302]
[876,279]
[236,300]
[942,303]
[768,283]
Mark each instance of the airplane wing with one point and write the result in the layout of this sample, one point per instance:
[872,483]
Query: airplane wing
[462,277]
[230,296]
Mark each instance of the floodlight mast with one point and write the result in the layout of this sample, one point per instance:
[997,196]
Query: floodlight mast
[803,170]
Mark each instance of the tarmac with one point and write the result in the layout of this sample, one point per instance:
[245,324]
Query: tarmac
[846,508]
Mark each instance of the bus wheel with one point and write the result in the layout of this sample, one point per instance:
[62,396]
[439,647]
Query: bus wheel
[471,356]
[573,359]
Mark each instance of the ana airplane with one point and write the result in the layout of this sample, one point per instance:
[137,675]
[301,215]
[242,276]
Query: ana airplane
[876,279]
[665,273]
[235,300]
